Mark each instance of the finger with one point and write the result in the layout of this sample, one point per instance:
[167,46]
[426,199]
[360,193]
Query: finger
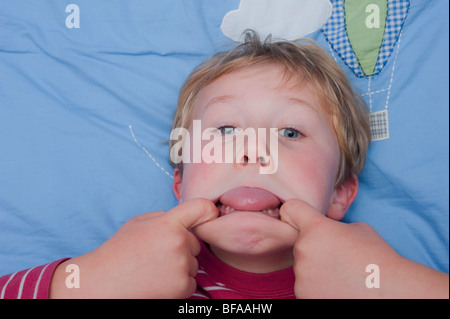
[299,214]
[193,212]
[194,244]
[193,288]
[149,215]
[193,269]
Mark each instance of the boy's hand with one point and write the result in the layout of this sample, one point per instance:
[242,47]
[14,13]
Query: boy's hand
[151,256]
[330,257]
[330,260]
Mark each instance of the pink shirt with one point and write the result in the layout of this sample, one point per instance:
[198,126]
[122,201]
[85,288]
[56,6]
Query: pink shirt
[33,283]
[217,280]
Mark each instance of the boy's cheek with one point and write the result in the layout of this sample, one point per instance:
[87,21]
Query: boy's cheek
[198,180]
[197,173]
[309,185]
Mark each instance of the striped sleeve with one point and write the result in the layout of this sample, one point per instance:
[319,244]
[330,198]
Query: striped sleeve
[33,283]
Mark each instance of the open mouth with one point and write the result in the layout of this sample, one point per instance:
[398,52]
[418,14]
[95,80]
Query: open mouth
[227,209]
[247,199]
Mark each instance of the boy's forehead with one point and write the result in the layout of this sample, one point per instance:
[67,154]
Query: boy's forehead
[265,78]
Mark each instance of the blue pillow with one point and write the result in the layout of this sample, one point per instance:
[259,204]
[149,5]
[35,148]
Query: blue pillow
[88,90]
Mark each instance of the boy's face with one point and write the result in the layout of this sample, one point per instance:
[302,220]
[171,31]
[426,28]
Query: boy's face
[249,234]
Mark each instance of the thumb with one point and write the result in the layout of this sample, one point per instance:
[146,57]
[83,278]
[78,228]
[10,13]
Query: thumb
[300,214]
[193,212]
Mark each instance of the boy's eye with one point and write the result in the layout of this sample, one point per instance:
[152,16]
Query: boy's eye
[289,132]
[228,130]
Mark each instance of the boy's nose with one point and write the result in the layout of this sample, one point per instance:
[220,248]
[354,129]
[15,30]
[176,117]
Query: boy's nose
[260,149]
[262,160]
[252,151]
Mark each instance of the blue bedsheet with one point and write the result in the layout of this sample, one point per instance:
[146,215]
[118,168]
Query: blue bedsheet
[86,111]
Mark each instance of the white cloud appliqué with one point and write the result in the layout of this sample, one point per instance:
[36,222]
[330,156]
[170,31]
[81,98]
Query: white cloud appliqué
[283,19]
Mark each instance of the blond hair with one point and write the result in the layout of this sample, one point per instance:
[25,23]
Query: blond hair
[308,62]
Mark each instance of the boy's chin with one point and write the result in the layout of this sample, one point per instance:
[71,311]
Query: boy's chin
[247,233]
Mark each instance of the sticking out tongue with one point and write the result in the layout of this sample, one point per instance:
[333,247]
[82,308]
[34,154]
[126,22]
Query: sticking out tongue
[250,199]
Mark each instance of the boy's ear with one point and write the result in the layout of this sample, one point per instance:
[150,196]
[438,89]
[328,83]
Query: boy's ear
[344,194]
[176,186]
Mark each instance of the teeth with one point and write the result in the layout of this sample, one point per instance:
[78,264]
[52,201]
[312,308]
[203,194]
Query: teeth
[271,212]
[226,209]
[229,209]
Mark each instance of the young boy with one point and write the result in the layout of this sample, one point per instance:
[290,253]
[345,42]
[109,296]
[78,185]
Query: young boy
[266,236]
[297,94]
